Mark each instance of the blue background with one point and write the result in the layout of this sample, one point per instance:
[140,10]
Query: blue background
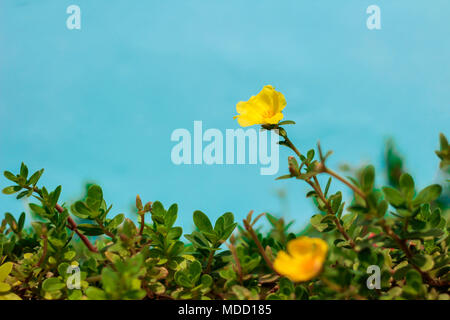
[99,104]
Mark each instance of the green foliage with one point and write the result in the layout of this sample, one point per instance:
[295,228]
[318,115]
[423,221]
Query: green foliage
[399,228]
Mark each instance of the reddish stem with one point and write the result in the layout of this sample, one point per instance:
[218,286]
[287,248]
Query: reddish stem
[73,226]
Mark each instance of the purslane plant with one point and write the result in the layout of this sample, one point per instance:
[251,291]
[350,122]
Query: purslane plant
[83,251]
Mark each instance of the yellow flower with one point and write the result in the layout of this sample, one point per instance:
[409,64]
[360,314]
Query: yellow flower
[264,108]
[303,260]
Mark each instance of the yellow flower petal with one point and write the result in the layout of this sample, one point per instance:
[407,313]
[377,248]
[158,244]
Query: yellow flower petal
[264,108]
[304,259]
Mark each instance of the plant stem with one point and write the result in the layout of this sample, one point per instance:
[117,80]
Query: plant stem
[404,247]
[350,185]
[292,146]
[73,226]
[44,251]
[253,235]
[210,260]
[141,230]
[100,224]
[236,259]
[330,211]
[316,186]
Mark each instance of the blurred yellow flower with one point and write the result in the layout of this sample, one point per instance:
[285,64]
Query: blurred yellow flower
[264,108]
[303,260]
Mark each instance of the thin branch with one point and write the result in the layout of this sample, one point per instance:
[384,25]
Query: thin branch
[236,259]
[210,259]
[292,146]
[403,246]
[330,211]
[347,183]
[251,231]
[44,251]
[73,226]
[108,233]
[142,222]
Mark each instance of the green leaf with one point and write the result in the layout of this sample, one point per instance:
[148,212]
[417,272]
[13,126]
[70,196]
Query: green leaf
[11,189]
[4,287]
[116,221]
[129,228]
[219,225]
[11,221]
[81,210]
[228,231]
[228,274]
[336,201]
[182,279]
[158,209]
[5,269]
[316,221]
[37,209]
[23,194]
[198,240]
[94,197]
[75,295]
[407,185]
[202,221]
[224,225]
[171,215]
[94,293]
[428,194]
[175,249]
[348,220]
[23,170]
[174,233]
[21,221]
[435,217]
[195,270]
[52,284]
[429,233]
[310,155]
[368,178]
[393,196]
[10,176]
[381,208]
[286,176]
[35,177]
[206,281]
[54,196]
[327,186]
[90,229]
[212,236]
[301,293]
[424,262]
[286,286]
[228,218]
[413,277]
[285,122]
